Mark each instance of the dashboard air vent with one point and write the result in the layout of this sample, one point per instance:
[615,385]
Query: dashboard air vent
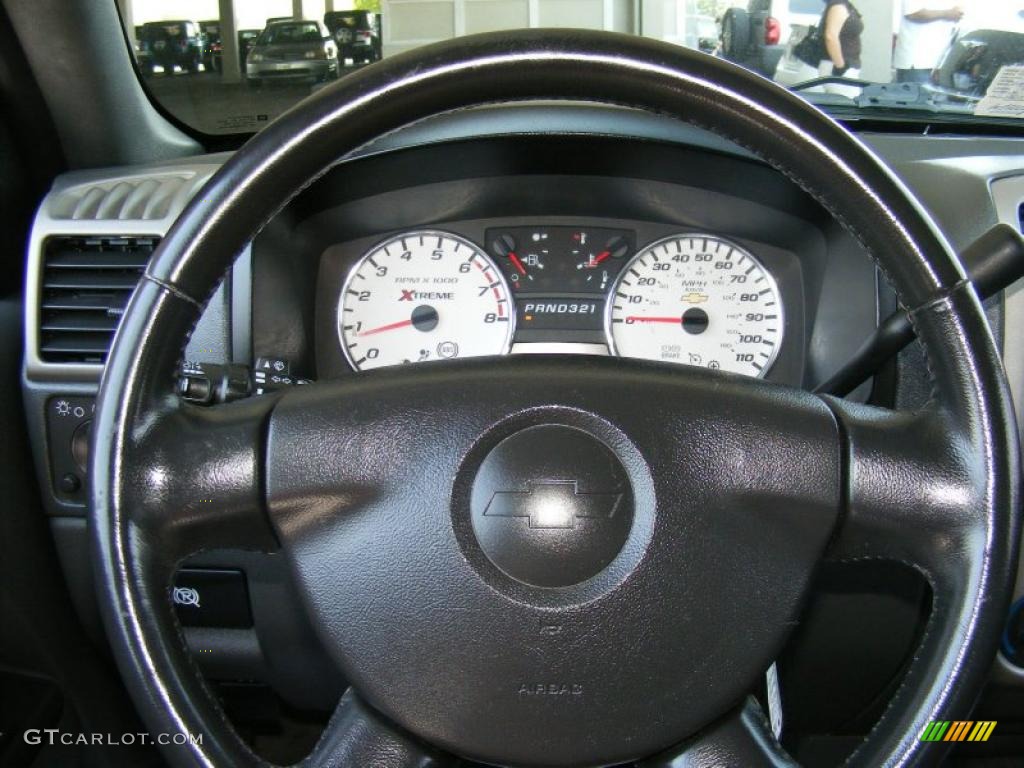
[86,284]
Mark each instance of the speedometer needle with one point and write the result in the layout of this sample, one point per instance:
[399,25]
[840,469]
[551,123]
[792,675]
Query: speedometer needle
[641,319]
[388,327]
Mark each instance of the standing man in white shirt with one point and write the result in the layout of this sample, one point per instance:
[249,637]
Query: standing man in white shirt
[925,31]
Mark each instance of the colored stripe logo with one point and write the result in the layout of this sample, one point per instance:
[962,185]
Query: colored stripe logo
[958,730]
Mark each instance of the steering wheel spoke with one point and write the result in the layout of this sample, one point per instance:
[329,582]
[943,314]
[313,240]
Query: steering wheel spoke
[357,736]
[194,479]
[741,738]
[911,493]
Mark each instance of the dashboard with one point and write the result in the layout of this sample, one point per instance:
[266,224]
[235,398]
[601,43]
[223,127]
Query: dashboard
[532,229]
[568,245]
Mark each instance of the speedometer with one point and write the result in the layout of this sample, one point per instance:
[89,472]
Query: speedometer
[423,296]
[697,300]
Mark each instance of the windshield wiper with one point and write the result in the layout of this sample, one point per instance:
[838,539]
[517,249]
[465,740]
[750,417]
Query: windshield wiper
[830,80]
[914,96]
[895,97]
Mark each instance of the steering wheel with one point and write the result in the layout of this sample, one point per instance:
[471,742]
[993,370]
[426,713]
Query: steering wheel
[700,501]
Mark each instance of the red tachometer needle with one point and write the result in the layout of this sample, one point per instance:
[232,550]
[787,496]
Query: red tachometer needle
[388,327]
[599,258]
[640,319]
[516,262]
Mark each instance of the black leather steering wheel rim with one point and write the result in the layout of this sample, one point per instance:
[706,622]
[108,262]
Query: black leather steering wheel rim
[960,490]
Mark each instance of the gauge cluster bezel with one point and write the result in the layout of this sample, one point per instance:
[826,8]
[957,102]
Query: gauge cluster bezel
[338,261]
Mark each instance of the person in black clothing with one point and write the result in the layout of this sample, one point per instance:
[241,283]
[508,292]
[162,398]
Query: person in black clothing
[842,27]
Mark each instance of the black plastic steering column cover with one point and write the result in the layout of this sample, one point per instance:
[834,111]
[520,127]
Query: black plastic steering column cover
[957,483]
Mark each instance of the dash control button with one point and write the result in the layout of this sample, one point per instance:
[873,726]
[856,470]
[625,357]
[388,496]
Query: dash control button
[68,418]
[70,483]
[211,597]
[273,366]
[80,445]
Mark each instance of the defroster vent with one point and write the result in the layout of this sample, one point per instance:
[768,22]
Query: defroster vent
[86,284]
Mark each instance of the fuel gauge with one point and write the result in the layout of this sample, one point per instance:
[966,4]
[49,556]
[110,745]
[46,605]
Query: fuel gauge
[522,268]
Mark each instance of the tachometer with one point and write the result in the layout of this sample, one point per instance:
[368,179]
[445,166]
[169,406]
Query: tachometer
[697,300]
[423,296]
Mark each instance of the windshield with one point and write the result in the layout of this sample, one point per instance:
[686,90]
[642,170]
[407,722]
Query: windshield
[231,66]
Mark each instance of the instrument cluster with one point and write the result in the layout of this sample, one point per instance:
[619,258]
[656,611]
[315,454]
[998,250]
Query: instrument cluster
[688,298]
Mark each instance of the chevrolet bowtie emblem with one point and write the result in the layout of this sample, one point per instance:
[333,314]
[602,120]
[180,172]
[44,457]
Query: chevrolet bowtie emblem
[553,504]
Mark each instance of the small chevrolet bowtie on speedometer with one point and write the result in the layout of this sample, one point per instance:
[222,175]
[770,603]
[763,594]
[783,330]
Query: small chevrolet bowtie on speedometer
[697,300]
[424,296]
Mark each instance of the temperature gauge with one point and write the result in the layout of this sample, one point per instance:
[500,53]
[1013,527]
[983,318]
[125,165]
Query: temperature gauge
[601,259]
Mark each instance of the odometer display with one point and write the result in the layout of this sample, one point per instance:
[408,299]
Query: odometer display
[423,296]
[697,300]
